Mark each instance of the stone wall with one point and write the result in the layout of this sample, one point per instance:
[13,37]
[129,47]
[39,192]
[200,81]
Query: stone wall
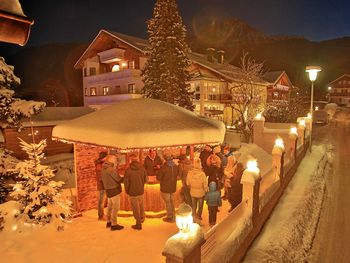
[85,157]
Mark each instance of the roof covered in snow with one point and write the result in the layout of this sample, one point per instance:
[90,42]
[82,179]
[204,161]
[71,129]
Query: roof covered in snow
[15,26]
[55,115]
[141,123]
[225,70]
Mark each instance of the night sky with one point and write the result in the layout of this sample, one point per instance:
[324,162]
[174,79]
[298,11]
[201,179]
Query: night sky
[80,20]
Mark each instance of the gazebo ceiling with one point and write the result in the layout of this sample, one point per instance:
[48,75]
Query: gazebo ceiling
[141,123]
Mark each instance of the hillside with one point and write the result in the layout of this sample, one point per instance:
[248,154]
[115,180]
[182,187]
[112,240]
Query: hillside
[47,73]
[290,53]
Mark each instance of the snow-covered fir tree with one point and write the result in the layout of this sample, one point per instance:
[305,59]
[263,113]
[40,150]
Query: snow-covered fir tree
[165,74]
[39,196]
[13,109]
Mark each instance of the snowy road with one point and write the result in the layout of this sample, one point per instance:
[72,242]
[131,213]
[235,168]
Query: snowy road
[332,241]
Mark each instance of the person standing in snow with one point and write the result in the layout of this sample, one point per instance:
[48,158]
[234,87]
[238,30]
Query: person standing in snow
[167,177]
[112,184]
[184,167]
[235,191]
[197,182]
[214,167]
[134,182]
[213,200]
[204,157]
[152,162]
[101,192]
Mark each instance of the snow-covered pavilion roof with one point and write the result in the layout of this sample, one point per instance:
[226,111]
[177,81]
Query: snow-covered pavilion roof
[141,123]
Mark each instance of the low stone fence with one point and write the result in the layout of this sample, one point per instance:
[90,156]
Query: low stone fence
[229,240]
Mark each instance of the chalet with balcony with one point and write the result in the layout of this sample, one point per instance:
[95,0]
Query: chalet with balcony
[111,68]
[339,90]
[279,88]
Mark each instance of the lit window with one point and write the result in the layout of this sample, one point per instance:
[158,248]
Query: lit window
[115,68]
[132,88]
[105,90]
[92,91]
[124,65]
[87,92]
[85,72]
[131,64]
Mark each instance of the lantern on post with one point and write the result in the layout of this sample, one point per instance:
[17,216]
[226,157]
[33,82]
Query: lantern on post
[184,218]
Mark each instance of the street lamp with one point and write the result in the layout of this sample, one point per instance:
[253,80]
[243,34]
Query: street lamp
[312,70]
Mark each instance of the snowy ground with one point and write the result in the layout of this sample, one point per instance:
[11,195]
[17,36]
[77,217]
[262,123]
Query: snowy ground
[287,236]
[87,240]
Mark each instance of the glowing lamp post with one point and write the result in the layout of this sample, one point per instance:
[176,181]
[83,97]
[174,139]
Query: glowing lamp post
[278,158]
[279,143]
[184,218]
[312,71]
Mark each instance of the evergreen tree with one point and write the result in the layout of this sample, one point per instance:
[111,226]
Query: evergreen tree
[13,109]
[39,195]
[165,74]
[7,163]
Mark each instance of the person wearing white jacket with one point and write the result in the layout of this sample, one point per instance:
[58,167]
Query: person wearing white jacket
[197,182]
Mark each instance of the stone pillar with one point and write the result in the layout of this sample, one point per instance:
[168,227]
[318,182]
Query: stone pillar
[258,129]
[251,187]
[278,162]
[185,247]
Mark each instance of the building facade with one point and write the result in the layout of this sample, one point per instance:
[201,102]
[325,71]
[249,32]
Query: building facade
[111,68]
[339,90]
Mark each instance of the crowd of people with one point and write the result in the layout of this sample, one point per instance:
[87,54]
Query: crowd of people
[215,171]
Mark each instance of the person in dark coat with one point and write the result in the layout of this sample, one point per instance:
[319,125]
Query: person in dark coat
[112,184]
[214,169]
[152,163]
[204,157]
[167,177]
[134,182]
[100,189]
[235,189]
[213,199]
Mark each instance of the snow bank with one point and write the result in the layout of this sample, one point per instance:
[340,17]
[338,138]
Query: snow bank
[229,246]
[288,234]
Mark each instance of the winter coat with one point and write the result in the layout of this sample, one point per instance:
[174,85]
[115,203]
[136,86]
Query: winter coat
[111,180]
[204,156]
[197,182]
[134,179]
[167,177]
[98,169]
[214,159]
[184,167]
[214,174]
[235,191]
[213,197]
[150,164]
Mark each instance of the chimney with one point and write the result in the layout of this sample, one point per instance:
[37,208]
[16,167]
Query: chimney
[221,56]
[210,54]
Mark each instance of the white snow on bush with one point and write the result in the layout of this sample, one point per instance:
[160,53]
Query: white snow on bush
[288,234]
[27,108]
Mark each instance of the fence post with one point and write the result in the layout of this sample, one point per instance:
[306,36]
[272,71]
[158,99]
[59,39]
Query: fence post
[293,137]
[185,246]
[251,186]
[278,159]
[258,128]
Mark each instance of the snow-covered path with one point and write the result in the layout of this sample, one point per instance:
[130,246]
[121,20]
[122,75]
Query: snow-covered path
[333,235]
[288,234]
